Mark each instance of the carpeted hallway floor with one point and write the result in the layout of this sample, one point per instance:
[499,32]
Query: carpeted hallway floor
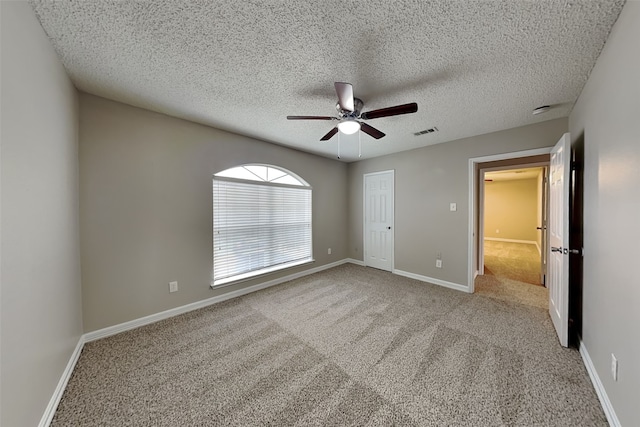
[347,346]
[515,261]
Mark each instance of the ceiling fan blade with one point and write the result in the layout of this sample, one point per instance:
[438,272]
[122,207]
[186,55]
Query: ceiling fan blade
[311,118]
[390,111]
[329,134]
[345,95]
[370,130]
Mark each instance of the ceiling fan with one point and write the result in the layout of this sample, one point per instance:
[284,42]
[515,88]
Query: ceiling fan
[350,114]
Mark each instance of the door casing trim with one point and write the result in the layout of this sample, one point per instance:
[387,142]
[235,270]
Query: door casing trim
[473,198]
[481,189]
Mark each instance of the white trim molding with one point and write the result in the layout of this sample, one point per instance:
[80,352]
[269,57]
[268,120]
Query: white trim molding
[609,412]
[50,410]
[473,214]
[432,280]
[153,318]
[500,239]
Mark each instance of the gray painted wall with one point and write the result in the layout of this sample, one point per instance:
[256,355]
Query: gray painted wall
[607,116]
[146,207]
[427,180]
[41,301]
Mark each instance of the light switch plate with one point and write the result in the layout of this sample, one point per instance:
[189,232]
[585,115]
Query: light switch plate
[453,207]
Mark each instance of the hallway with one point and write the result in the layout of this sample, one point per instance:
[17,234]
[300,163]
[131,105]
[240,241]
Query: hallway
[516,261]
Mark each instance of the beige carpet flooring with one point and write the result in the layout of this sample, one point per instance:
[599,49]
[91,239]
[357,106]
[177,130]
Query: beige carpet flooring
[515,261]
[347,346]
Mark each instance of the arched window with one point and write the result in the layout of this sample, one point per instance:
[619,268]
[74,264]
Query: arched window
[261,222]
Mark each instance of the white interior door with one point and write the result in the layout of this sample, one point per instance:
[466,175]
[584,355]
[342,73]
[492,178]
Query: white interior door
[378,220]
[558,233]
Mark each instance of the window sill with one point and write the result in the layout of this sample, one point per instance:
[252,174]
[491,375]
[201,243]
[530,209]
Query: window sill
[259,273]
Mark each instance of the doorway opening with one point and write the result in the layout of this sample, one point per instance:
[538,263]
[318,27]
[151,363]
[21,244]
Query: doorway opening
[563,246]
[513,219]
[502,275]
[477,168]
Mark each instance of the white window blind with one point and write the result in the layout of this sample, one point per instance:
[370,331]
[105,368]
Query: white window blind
[258,227]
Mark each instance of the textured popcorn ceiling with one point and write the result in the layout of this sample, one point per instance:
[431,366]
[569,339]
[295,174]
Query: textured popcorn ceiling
[472,66]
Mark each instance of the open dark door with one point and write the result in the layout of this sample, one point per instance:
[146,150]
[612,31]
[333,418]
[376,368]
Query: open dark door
[576,241]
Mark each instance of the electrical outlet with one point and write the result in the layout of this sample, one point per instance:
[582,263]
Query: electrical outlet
[614,367]
[497,231]
[173,287]
[438,263]
[329,251]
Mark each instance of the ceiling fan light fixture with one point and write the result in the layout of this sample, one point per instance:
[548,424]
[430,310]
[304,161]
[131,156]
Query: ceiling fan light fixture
[349,114]
[349,127]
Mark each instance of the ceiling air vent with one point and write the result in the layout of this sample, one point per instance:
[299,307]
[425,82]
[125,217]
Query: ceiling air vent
[430,130]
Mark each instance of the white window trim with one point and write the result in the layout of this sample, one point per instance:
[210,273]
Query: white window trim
[258,273]
[243,277]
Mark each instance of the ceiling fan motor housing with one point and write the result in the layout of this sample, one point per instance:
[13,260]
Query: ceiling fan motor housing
[357,108]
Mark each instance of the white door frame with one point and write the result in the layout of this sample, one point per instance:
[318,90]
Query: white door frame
[481,205]
[393,215]
[473,198]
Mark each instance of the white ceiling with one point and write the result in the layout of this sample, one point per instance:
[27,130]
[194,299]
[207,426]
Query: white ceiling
[472,66]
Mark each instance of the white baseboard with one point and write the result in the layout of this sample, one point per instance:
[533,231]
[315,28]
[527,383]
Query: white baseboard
[136,323]
[47,417]
[50,411]
[156,317]
[122,327]
[612,418]
[529,242]
[499,239]
[439,282]
[432,280]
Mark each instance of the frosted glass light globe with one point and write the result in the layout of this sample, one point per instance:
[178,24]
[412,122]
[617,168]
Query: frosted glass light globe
[349,127]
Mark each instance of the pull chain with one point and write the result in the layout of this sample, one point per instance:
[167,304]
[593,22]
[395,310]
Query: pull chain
[339,144]
[359,144]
